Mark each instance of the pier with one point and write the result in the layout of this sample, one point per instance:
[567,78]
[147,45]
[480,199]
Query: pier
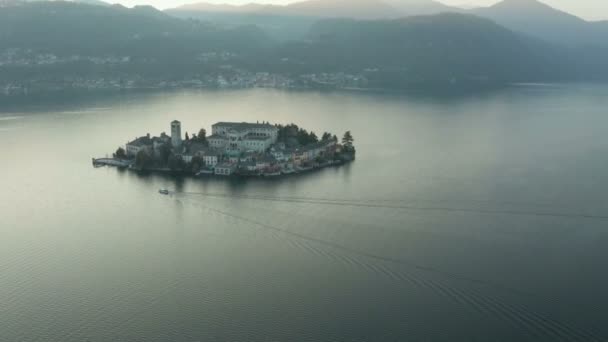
[112,162]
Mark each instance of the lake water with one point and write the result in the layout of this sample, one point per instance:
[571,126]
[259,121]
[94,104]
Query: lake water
[468,218]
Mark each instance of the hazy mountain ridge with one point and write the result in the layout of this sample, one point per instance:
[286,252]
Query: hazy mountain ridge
[6,3]
[439,48]
[293,21]
[72,28]
[142,43]
[358,9]
[530,17]
[535,18]
[421,7]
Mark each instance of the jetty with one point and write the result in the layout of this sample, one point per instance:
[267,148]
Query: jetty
[112,162]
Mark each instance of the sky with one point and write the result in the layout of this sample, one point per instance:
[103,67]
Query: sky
[588,9]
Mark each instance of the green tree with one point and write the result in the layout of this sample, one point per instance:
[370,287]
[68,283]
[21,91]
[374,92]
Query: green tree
[302,136]
[312,138]
[143,159]
[202,136]
[164,152]
[197,163]
[347,139]
[120,153]
[176,163]
[187,137]
[326,136]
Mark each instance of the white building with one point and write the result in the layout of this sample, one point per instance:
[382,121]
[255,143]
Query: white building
[132,148]
[159,142]
[176,134]
[241,137]
[211,159]
[209,156]
[225,169]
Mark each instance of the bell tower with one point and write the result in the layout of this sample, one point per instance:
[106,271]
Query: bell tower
[176,134]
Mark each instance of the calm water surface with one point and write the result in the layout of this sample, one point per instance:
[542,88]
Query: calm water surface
[474,218]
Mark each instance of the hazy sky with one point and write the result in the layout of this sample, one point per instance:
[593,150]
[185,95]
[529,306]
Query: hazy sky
[589,9]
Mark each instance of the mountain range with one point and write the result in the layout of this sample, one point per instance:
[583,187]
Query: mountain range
[537,19]
[530,17]
[6,3]
[356,9]
[436,49]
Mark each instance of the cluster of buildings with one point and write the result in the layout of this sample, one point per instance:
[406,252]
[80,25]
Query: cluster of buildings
[28,57]
[242,137]
[225,75]
[235,148]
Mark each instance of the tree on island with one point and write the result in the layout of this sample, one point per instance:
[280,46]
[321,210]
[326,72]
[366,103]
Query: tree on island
[294,136]
[143,159]
[312,138]
[176,163]
[304,138]
[347,140]
[197,164]
[120,153]
[201,136]
[164,152]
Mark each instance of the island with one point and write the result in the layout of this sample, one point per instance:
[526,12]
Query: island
[242,149]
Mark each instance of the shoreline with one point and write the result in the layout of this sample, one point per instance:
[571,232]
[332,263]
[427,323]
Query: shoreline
[129,166]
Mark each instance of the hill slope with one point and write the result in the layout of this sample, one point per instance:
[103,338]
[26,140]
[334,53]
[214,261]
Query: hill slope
[53,41]
[537,19]
[65,28]
[436,49]
[357,9]
[294,20]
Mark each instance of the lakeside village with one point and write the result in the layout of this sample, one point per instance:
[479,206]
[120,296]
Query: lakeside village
[233,148]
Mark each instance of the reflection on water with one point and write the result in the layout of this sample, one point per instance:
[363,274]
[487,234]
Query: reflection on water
[464,217]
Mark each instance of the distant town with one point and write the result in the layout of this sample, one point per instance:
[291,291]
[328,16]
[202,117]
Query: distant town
[234,148]
[222,74]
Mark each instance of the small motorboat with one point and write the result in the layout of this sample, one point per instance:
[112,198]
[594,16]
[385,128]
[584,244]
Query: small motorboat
[163,191]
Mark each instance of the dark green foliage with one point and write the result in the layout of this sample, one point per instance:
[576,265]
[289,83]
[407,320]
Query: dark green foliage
[120,153]
[201,137]
[347,140]
[165,152]
[143,159]
[312,137]
[176,163]
[304,138]
[197,164]
[326,136]
[294,136]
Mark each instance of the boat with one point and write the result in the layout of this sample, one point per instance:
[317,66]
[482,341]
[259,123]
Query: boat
[204,172]
[272,174]
[304,168]
[163,191]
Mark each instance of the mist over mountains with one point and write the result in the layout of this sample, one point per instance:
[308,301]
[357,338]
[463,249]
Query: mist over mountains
[357,9]
[537,19]
[377,43]
[530,17]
